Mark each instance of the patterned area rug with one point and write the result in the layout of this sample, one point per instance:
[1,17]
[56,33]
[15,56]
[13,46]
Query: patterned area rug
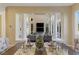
[42,51]
[46,51]
[25,52]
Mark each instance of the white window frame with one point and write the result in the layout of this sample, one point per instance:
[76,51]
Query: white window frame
[76,25]
[54,23]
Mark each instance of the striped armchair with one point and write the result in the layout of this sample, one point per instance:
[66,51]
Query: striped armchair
[4,44]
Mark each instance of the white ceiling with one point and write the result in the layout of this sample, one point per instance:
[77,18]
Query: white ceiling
[35,4]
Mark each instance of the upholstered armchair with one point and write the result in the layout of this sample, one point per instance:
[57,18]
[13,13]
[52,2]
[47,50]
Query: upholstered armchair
[32,38]
[4,44]
[47,38]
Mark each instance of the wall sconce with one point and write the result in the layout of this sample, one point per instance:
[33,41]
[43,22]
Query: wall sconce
[31,19]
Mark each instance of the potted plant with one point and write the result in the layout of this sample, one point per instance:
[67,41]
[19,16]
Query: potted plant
[39,46]
[39,42]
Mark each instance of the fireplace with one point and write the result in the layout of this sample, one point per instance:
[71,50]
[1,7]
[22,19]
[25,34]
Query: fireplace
[39,27]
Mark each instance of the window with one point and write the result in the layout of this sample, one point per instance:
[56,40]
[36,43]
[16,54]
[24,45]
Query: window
[26,25]
[59,30]
[22,26]
[76,24]
[56,25]
[0,25]
[77,20]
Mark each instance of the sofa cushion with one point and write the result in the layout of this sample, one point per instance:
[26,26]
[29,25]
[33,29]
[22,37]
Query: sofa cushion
[47,38]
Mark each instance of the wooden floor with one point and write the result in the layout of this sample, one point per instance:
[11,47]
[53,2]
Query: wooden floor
[10,51]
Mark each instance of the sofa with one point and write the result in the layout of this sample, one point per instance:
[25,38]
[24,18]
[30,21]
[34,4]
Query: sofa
[47,38]
[31,38]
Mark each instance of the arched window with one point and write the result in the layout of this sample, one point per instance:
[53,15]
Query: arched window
[77,24]
[26,25]
[56,25]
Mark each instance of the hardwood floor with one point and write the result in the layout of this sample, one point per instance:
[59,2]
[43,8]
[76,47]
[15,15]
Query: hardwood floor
[12,50]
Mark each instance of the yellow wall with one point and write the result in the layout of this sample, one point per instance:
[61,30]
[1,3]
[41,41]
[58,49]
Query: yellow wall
[75,8]
[70,30]
[10,19]
[0,24]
